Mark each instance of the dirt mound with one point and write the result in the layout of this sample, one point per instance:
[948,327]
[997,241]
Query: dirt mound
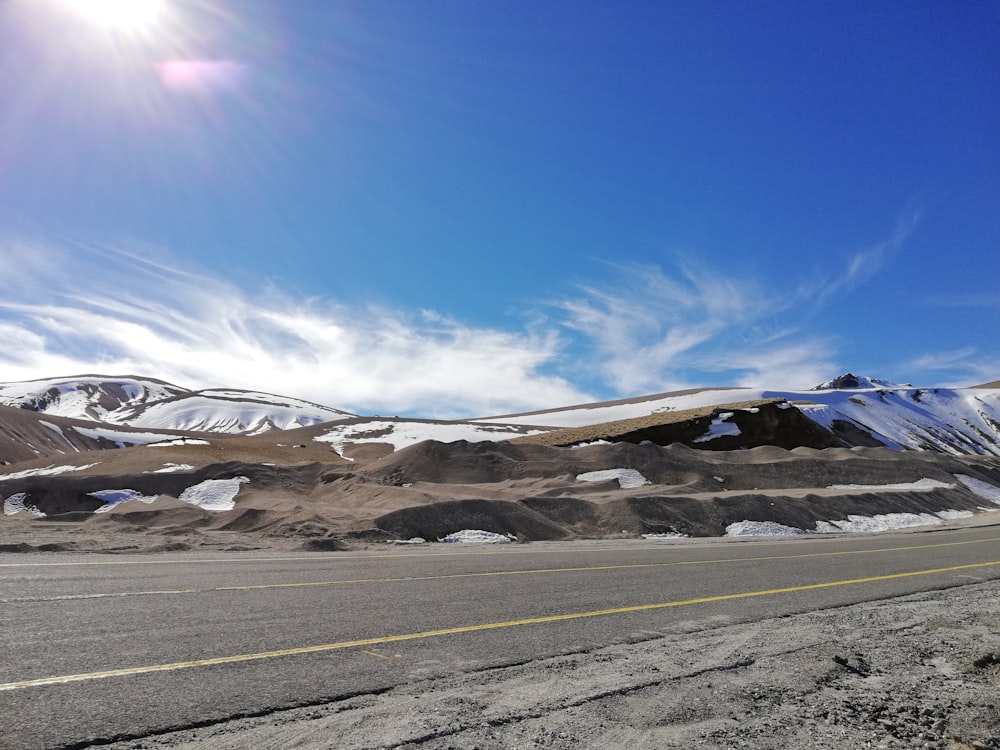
[462,462]
[164,513]
[437,520]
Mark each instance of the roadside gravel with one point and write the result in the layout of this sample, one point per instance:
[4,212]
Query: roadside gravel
[921,671]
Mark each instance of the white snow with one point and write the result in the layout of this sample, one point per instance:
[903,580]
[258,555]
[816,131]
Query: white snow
[172,467]
[19,504]
[761,528]
[982,489]
[954,421]
[54,427]
[214,494]
[719,428]
[665,535]
[401,434]
[45,471]
[919,485]
[178,441]
[886,522]
[475,536]
[414,540]
[113,497]
[586,414]
[954,515]
[627,478]
[121,438]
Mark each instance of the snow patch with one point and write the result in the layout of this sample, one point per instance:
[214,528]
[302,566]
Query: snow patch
[172,467]
[178,441]
[982,489]
[214,494]
[876,523]
[120,438]
[476,536]
[954,515]
[719,428]
[665,535]
[45,471]
[112,498]
[403,434]
[761,528]
[19,503]
[627,478]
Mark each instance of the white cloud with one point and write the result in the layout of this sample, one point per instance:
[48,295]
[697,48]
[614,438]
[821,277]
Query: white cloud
[963,367]
[866,263]
[141,317]
[648,331]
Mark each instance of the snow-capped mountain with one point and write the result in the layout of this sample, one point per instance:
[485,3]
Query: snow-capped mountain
[860,410]
[949,420]
[154,404]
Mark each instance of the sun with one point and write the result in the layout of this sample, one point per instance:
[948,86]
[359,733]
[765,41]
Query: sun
[120,15]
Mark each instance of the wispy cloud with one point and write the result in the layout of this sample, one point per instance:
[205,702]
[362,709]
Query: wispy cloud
[962,367]
[864,264]
[647,330]
[136,316]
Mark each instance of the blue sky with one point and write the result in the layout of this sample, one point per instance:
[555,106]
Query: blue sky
[460,208]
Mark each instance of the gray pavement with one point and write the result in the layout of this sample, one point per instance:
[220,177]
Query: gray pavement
[288,630]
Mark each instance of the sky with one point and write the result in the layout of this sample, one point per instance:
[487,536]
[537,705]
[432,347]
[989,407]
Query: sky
[458,208]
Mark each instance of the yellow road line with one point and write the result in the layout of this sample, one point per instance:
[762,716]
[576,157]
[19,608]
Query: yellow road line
[380,640]
[486,574]
[504,550]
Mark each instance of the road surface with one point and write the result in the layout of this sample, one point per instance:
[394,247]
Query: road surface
[95,648]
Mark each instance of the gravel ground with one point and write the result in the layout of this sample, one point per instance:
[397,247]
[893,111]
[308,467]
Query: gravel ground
[920,671]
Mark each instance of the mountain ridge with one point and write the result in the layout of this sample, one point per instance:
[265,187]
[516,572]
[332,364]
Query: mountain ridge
[142,402]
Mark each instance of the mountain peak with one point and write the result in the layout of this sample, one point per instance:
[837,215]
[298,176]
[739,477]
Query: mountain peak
[849,381]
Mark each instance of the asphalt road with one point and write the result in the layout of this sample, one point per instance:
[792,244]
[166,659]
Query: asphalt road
[96,648]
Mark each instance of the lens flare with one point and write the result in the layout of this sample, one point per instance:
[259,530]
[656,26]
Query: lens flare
[123,15]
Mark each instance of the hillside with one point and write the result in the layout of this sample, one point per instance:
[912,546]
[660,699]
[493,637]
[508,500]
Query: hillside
[854,454]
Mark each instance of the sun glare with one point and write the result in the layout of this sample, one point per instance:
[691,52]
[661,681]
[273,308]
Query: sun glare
[124,15]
